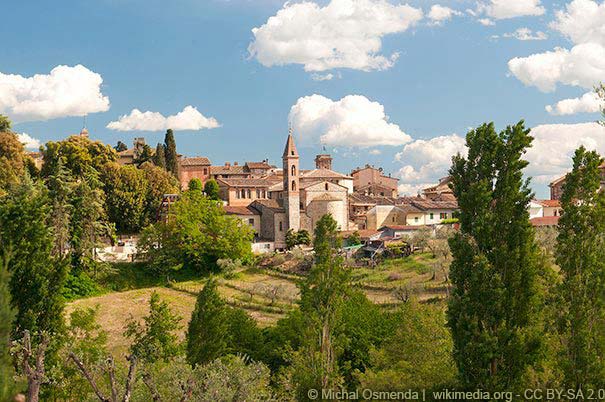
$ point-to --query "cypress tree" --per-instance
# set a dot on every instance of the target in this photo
(172, 163)
(207, 335)
(581, 256)
(495, 309)
(159, 159)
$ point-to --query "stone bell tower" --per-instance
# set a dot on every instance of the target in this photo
(291, 184)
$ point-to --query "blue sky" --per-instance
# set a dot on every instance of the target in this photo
(450, 75)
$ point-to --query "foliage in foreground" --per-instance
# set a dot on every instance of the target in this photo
(196, 235)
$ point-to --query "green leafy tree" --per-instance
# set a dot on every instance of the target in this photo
(297, 238)
(88, 342)
(159, 182)
(322, 297)
(5, 123)
(211, 190)
(6, 320)
(157, 338)
(36, 277)
(125, 190)
(208, 328)
(89, 224)
(195, 184)
(146, 155)
(196, 235)
(417, 355)
(159, 159)
(580, 254)
(78, 154)
(12, 159)
(60, 185)
(172, 162)
(120, 146)
(494, 311)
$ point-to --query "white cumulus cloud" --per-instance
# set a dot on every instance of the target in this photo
(341, 34)
(590, 102)
(503, 9)
(353, 121)
(438, 14)
(554, 145)
(526, 34)
(28, 141)
(188, 119)
(583, 66)
(582, 21)
(426, 161)
(65, 91)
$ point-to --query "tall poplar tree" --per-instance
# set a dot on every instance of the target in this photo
(581, 255)
(495, 308)
(172, 163)
(322, 297)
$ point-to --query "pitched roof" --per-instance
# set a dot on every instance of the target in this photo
(245, 182)
(545, 221)
(239, 169)
(549, 203)
(268, 203)
(258, 165)
(362, 199)
(195, 161)
(426, 204)
(323, 174)
(237, 210)
(325, 197)
(290, 148)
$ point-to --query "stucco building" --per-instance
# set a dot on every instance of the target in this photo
(372, 181)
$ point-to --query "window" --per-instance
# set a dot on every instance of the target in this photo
(327, 186)
(251, 221)
(443, 215)
(293, 185)
(257, 193)
(431, 216)
(281, 227)
(248, 193)
(393, 219)
(243, 193)
(416, 219)
(205, 171)
(293, 170)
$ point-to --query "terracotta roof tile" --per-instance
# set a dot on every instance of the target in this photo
(238, 210)
(245, 182)
(195, 161)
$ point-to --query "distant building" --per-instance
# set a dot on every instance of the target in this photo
(556, 186)
(129, 156)
(440, 191)
(372, 181)
(197, 167)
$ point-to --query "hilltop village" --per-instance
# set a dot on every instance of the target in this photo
(274, 199)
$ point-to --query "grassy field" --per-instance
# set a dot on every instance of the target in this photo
(266, 294)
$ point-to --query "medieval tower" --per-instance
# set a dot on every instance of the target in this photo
(291, 184)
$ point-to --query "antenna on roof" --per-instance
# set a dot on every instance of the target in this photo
(84, 126)
(324, 148)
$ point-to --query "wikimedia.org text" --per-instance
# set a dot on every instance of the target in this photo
(455, 395)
